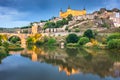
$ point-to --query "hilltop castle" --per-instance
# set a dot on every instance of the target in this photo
(73, 12)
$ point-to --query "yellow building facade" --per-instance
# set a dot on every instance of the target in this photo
(73, 12)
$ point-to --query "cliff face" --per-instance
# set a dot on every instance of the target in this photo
(104, 23)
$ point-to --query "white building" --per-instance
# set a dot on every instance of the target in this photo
(84, 17)
(115, 17)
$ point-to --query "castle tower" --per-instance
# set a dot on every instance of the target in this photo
(69, 9)
(84, 8)
(61, 12)
(84, 11)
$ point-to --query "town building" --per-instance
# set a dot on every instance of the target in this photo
(115, 17)
(84, 17)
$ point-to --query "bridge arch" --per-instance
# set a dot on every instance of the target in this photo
(14, 39)
(22, 38)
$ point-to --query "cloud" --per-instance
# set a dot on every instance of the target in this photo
(11, 24)
(112, 4)
(10, 17)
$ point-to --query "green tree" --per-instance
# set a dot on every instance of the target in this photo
(72, 38)
(51, 41)
(0, 40)
(69, 17)
(77, 30)
(89, 33)
(49, 25)
(64, 21)
(39, 42)
(83, 40)
(14, 39)
(30, 40)
(113, 36)
(59, 24)
(114, 44)
(105, 25)
(6, 46)
(66, 28)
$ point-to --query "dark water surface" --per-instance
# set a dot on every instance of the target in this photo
(54, 63)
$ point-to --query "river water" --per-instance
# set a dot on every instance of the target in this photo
(54, 63)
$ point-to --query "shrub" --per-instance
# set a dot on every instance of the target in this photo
(72, 45)
(3, 55)
(113, 36)
(49, 25)
(14, 39)
(77, 30)
(30, 40)
(45, 39)
(66, 28)
(3, 50)
(103, 41)
(0, 40)
(69, 30)
(5, 45)
(14, 47)
(105, 25)
(69, 17)
(95, 33)
(72, 38)
(114, 43)
(94, 42)
(83, 40)
(89, 33)
(38, 42)
(51, 41)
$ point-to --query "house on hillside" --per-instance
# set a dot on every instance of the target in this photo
(115, 17)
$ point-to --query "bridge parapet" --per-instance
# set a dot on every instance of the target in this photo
(21, 36)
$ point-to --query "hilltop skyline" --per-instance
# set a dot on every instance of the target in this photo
(14, 13)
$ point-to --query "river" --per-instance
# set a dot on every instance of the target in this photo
(54, 63)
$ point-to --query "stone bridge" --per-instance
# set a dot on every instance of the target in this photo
(21, 36)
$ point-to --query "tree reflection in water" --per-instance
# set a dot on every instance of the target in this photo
(77, 60)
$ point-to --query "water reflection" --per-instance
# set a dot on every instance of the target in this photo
(77, 60)
(68, 71)
(73, 61)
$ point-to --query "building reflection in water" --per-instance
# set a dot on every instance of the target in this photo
(116, 69)
(34, 56)
(108, 67)
(62, 45)
(67, 71)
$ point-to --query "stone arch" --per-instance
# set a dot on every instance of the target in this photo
(11, 36)
(22, 38)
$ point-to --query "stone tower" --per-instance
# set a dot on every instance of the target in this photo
(34, 28)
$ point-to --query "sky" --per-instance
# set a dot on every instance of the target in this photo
(18, 13)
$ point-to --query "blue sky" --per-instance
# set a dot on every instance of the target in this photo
(17, 13)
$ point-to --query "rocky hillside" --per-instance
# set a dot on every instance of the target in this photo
(98, 24)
